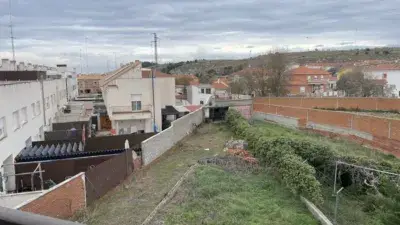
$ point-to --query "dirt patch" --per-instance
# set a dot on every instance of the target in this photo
(133, 201)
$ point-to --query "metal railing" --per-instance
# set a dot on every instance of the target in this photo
(17, 217)
(128, 109)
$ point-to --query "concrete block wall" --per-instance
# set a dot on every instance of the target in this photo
(383, 133)
(361, 103)
(155, 146)
(61, 201)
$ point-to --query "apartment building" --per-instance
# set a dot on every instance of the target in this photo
(29, 101)
(89, 83)
(129, 99)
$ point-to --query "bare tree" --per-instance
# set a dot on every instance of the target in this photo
(358, 84)
(278, 77)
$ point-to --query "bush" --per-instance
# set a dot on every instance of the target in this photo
(297, 175)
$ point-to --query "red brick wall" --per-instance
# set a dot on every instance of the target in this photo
(330, 118)
(385, 132)
(62, 201)
(361, 103)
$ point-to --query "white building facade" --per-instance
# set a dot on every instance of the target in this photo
(199, 94)
(25, 114)
(131, 105)
(392, 77)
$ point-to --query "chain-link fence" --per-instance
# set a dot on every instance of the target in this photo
(359, 195)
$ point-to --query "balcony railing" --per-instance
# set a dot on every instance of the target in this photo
(129, 109)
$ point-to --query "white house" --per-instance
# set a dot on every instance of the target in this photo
(390, 72)
(199, 94)
(128, 96)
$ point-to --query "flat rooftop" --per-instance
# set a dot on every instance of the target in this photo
(80, 111)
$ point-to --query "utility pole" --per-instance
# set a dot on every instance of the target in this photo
(115, 60)
(153, 75)
(87, 56)
(80, 59)
(11, 33)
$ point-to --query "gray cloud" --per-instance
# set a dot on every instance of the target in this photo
(49, 31)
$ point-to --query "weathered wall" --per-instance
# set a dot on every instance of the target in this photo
(61, 201)
(158, 144)
(13, 200)
(380, 132)
(361, 103)
(107, 175)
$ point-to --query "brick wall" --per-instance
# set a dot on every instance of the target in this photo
(61, 201)
(155, 146)
(361, 103)
(380, 132)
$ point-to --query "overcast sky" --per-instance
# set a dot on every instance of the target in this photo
(52, 31)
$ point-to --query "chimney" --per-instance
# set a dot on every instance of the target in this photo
(384, 76)
(5, 65)
(13, 65)
(21, 66)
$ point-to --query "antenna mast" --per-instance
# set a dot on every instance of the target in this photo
(11, 33)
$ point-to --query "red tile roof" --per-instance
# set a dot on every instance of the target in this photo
(192, 108)
(302, 70)
(147, 74)
(383, 67)
(193, 79)
(220, 83)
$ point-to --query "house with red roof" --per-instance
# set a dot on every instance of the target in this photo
(389, 73)
(308, 81)
(221, 88)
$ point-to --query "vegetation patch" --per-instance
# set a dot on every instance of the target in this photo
(370, 194)
(217, 196)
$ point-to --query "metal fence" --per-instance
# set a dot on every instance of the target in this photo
(107, 175)
(352, 193)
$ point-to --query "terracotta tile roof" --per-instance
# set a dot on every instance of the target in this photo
(302, 70)
(192, 108)
(90, 77)
(147, 74)
(193, 79)
(220, 83)
(383, 67)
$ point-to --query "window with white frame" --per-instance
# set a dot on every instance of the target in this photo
(47, 103)
(38, 108)
(208, 90)
(136, 102)
(33, 107)
(24, 115)
(16, 121)
(3, 128)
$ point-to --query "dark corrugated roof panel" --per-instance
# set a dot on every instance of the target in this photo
(59, 151)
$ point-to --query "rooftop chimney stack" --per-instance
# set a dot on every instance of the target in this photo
(13, 65)
(5, 65)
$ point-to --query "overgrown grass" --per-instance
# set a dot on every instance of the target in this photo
(216, 196)
(338, 144)
(356, 206)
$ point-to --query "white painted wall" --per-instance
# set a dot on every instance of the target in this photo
(13, 200)
(393, 77)
(132, 83)
(195, 96)
(16, 95)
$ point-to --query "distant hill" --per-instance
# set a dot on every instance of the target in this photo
(225, 67)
